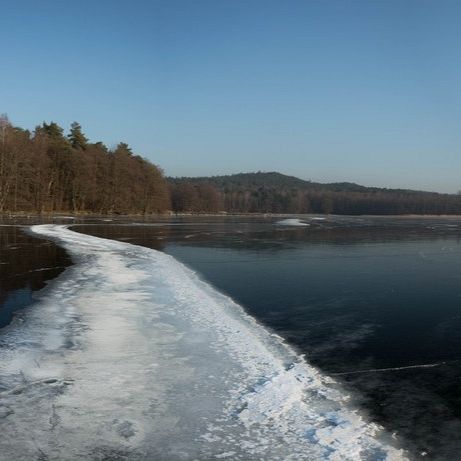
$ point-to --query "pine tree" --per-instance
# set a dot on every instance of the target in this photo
(76, 138)
(123, 148)
(52, 130)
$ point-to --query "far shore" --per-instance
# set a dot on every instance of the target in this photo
(77, 215)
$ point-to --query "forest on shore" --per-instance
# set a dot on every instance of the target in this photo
(277, 193)
(46, 171)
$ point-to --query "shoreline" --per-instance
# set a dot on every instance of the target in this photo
(78, 215)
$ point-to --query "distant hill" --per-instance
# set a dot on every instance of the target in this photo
(272, 192)
(279, 180)
(259, 179)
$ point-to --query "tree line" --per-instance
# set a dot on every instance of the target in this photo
(48, 171)
(277, 193)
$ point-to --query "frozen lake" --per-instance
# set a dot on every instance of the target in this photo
(158, 360)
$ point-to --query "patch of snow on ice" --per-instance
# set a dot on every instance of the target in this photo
(292, 222)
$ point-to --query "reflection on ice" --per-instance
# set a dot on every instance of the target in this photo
(131, 356)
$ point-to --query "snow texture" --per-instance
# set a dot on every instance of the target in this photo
(130, 355)
(292, 222)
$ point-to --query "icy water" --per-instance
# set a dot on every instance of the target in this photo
(373, 303)
(26, 263)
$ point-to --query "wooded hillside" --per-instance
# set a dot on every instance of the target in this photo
(278, 193)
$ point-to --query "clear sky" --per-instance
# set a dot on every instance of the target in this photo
(364, 91)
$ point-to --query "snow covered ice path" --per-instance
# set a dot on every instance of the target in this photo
(130, 355)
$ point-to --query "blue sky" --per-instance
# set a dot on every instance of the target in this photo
(362, 91)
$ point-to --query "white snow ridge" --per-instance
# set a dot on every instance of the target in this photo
(130, 356)
(292, 222)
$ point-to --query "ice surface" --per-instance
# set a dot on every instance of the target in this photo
(130, 355)
(292, 222)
